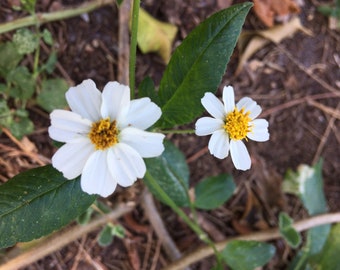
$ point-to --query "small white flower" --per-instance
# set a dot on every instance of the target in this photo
(231, 124)
(104, 136)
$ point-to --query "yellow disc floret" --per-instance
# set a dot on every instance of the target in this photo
(103, 134)
(237, 124)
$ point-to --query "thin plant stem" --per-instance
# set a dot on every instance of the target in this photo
(262, 236)
(40, 18)
(133, 46)
(194, 226)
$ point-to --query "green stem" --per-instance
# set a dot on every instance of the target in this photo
(133, 46)
(194, 226)
(40, 18)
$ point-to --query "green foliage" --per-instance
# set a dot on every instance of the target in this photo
(328, 258)
(307, 183)
(38, 202)
(331, 10)
(25, 41)
(22, 84)
(28, 5)
(20, 125)
(147, 89)
(10, 58)
(247, 255)
(106, 235)
(212, 192)
(288, 232)
(198, 64)
(172, 174)
(52, 94)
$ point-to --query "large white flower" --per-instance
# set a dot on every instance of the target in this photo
(231, 124)
(104, 135)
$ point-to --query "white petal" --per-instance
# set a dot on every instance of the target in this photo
(213, 105)
(228, 97)
(142, 114)
(116, 101)
(85, 99)
(66, 125)
(125, 164)
(239, 155)
(219, 144)
(147, 144)
(249, 105)
(259, 131)
(207, 125)
(96, 177)
(70, 159)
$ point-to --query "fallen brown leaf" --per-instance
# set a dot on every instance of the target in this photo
(268, 10)
(252, 41)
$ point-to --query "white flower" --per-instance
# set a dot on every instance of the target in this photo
(231, 124)
(104, 136)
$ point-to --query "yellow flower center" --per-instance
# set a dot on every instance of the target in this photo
(104, 134)
(237, 124)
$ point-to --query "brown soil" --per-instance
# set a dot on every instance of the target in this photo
(293, 83)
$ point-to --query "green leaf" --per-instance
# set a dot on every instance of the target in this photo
(47, 37)
(23, 83)
(52, 95)
(37, 202)
(10, 58)
(171, 172)
(198, 64)
(288, 232)
(212, 192)
(50, 63)
(5, 114)
(25, 41)
(85, 217)
(105, 236)
(21, 126)
(328, 258)
(147, 89)
(247, 255)
(308, 185)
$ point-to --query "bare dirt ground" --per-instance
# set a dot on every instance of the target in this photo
(294, 82)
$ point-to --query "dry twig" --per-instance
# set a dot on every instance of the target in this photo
(267, 235)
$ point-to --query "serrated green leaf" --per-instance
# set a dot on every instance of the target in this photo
(171, 172)
(147, 89)
(212, 192)
(198, 64)
(38, 202)
(52, 95)
(23, 83)
(10, 58)
(247, 255)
